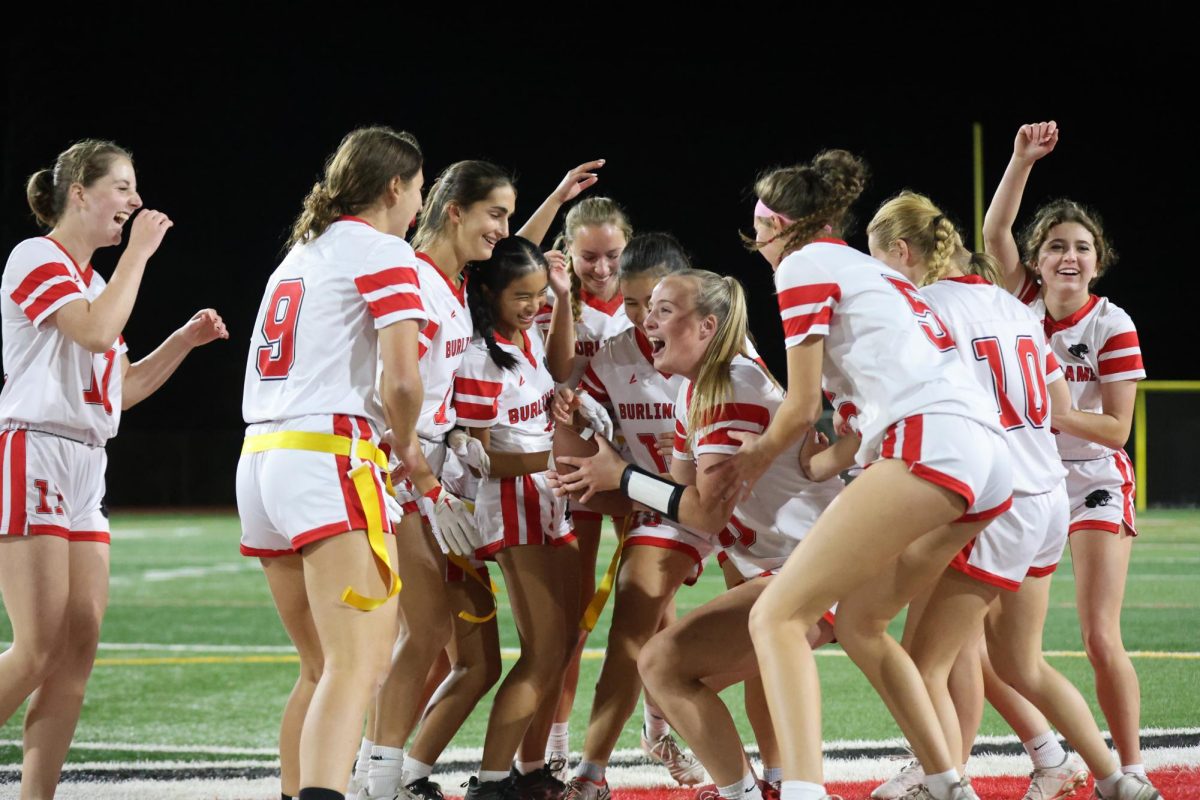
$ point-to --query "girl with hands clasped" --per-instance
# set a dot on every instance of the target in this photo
(502, 396)
(1062, 253)
(697, 328)
(63, 395)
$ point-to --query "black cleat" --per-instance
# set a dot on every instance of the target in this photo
(426, 789)
(539, 784)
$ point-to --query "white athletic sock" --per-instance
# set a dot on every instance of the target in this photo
(387, 766)
(750, 790)
(942, 785)
(1045, 750)
(772, 774)
(1134, 769)
(801, 790)
(655, 722)
(1108, 786)
(364, 758)
(415, 770)
(559, 740)
(733, 791)
(526, 767)
(491, 776)
(590, 771)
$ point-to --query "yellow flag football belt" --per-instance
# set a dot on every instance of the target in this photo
(591, 614)
(362, 455)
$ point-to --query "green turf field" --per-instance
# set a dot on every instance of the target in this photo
(179, 580)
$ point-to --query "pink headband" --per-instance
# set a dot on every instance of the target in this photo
(761, 210)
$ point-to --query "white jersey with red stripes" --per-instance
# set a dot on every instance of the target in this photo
(514, 403)
(315, 344)
(886, 351)
(622, 376)
(1097, 344)
(1002, 343)
(51, 383)
(441, 346)
(599, 320)
(783, 504)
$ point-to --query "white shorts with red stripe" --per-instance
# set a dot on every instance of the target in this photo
(651, 530)
(958, 454)
(1101, 494)
(1026, 540)
(516, 511)
(290, 498)
(52, 487)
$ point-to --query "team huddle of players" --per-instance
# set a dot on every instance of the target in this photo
(417, 411)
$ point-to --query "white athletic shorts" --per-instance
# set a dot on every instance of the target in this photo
(1101, 494)
(289, 498)
(1028, 539)
(52, 486)
(521, 510)
(958, 454)
(651, 530)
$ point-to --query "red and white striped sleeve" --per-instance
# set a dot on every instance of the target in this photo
(808, 295)
(714, 436)
(425, 338)
(1053, 368)
(542, 317)
(477, 391)
(594, 385)
(1029, 290)
(680, 449)
(39, 282)
(1120, 357)
(390, 285)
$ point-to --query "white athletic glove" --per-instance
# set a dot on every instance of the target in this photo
(453, 524)
(470, 450)
(596, 415)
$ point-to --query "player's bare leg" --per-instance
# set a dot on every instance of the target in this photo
(425, 629)
(285, 578)
(474, 669)
(1100, 561)
(859, 535)
(545, 608)
(35, 598)
(966, 692)
(648, 579)
(357, 646)
(1020, 714)
(54, 708)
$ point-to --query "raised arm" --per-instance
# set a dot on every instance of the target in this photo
(140, 380)
(95, 325)
(574, 182)
(560, 338)
(1033, 142)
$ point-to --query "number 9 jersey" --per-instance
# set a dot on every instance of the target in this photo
(345, 285)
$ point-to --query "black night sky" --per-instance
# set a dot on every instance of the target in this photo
(228, 133)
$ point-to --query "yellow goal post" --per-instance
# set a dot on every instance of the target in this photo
(1141, 471)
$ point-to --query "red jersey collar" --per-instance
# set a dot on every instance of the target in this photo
(971, 279)
(1052, 325)
(84, 274)
(460, 291)
(349, 218)
(643, 343)
(525, 347)
(608, 308)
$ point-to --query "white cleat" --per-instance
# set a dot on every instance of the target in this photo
(901, 783)
(580, 788)
(1055, 783)
(1132, 787)
(684, 767)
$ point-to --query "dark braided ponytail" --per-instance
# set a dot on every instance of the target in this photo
(513, 258)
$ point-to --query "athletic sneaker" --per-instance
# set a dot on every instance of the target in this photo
(562, 773)
(964, 791)
(581, 788)
(901, 783)
(708, 792)
(1054, 783)
(491, 790)
(425, 789)
(1132, 787)
(539, 784)
(770, 790)
(684, 767)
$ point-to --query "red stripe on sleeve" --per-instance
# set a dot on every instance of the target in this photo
(1114, 366)
(39, 276)
(49, 297)
(477, 387)
(739, 412)
(720, 437)
(475, 411)
(422, 349)
(806, 295)
(395, 277)
(1051, 362)
(1122, 341)
(801, 325)
(595, 386)
(391, 303)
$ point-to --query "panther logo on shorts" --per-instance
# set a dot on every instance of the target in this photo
(1100, 497)
(1078, 350)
